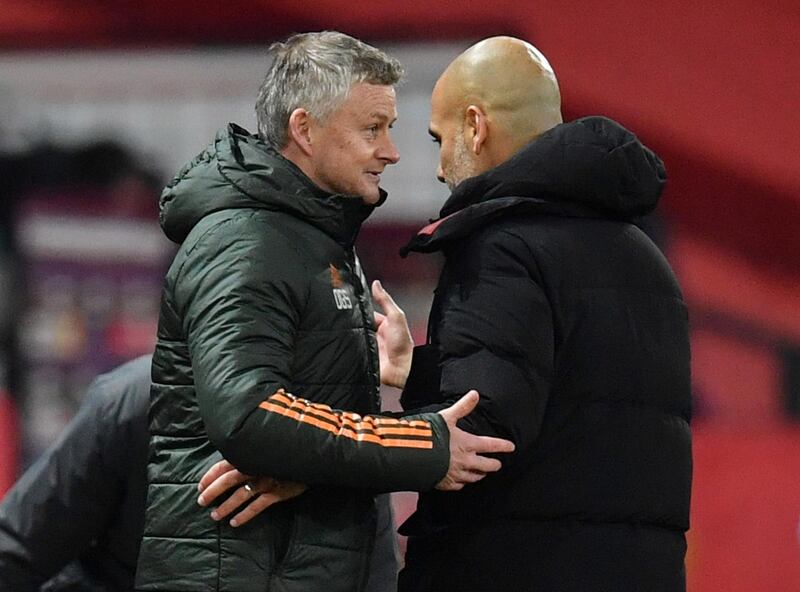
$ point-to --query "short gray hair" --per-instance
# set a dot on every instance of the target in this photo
(315, 71)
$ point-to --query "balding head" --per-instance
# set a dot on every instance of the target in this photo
(492, 100)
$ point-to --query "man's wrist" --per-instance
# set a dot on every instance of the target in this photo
(399, 375)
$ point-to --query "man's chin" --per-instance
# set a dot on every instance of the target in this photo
(371, 196)
(452, 182)
(451, 185)
(371, 200)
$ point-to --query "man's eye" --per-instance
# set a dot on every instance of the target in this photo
(436, 141)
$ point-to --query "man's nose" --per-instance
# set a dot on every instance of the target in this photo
(389, 152)
(440, 173)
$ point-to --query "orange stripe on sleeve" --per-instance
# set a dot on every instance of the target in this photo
(351, 425)
(355, 421)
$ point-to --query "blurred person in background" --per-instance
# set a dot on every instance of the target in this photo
(570, 323)
(265, 301)
(76, 514)
(74, 520)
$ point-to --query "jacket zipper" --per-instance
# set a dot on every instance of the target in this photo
(374, 367)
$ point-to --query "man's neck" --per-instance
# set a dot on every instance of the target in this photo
(301, 160)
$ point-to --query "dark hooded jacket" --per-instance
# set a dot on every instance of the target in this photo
(569, 322)
(265, 309)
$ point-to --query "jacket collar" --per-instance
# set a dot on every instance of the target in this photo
(591, 167)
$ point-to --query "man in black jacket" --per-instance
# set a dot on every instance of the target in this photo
(73, 521)
(570, 323)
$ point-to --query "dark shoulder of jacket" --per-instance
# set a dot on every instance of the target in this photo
(505, 246)
(258, 247)
(124, 392)
(217, 229)
(598, 250)
(120, 400)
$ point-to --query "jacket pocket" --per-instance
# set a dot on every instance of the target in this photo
(329, 544)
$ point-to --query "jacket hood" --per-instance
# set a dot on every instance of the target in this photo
(238, 170)
(590, 167)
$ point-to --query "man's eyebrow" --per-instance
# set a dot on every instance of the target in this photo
(433, 134)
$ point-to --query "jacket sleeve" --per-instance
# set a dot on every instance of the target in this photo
(421, 390)
(61, 504)
(241, 299)
(493, 332)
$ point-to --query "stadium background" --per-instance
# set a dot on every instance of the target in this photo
(100, 102)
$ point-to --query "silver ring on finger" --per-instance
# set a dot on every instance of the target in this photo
(250, 489)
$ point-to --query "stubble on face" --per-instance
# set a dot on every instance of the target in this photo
(462, 166)
(456, 162)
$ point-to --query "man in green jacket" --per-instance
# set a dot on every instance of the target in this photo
(266, 331)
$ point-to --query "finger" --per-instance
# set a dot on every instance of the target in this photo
(483, 464)
(487, 444)
(461, 408)
(220, 485)
(449, 485)
(218, 468)
(379, 319)
(379, 295)
(266, 484)
(254, 508)
(384, 299)
(239, 497)
(470, 477)
(457, 479)
(282, 492)
(291, 489)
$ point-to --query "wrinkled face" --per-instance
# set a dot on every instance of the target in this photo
(456, 162)
(353, 145)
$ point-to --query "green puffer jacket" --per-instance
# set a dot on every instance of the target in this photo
(265, 309)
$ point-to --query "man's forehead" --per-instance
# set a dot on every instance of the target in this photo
(438, 110)
(372, 92)
(373, 100)
(441, 97)
(383, 114)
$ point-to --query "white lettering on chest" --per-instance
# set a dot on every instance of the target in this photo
(342, 299)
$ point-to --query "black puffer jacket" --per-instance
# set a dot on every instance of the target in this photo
(569, 322)
(264, 303)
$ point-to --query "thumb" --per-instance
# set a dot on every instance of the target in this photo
(382, 297)
(379, 318)
(461, 408)
(379, 294)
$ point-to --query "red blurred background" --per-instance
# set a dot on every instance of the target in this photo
(714, 88)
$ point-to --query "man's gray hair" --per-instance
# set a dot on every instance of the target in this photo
(315, 71)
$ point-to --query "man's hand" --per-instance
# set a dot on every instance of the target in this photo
(395, 344)
(259, 493)
(466, 463)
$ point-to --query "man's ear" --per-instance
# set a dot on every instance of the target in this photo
(477, 128)
(299, 130)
